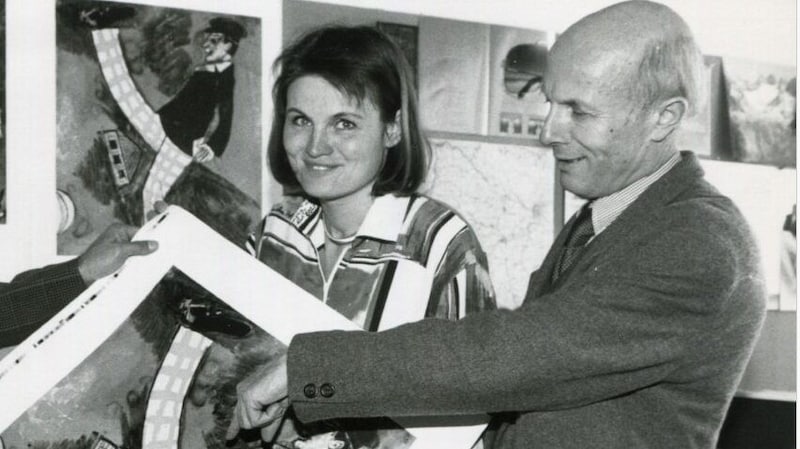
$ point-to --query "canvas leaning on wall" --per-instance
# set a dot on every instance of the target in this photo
(150, 357)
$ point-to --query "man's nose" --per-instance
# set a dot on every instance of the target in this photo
(555, 126)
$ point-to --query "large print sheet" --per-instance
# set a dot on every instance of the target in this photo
(150, 357)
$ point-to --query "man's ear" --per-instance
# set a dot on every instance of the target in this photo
(670, 113)
(393, 131)
(228, 47)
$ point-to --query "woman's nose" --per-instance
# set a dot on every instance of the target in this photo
(319, 145)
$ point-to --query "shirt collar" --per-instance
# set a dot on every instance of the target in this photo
(218, 67)
(606, 209)
(384, 219)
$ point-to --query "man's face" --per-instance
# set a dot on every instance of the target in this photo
(599, 138)
(215, 48)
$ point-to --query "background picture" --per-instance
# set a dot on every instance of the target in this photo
(120, 69)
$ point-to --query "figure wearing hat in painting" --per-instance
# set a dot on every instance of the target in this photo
(195, 125)
(198, 118)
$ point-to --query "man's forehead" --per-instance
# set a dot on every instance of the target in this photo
(587, 77)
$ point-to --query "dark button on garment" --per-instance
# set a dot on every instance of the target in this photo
(326, 390)
(310, 391)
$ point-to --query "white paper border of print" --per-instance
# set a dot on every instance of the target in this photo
(269, 300)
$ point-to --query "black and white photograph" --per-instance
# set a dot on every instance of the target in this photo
(362, 224)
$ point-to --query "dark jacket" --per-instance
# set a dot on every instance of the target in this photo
(641, 345)
(34, 297)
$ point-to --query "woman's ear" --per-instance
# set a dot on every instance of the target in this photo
(393, 131)
(670, 114)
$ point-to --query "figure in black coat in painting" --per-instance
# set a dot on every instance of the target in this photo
(198, 118)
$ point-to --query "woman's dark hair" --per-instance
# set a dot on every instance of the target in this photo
(362, 63)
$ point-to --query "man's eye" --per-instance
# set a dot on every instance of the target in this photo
(578, 113)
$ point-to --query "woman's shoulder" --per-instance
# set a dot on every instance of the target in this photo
(425, 210)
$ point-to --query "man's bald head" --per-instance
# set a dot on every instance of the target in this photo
(644, 48)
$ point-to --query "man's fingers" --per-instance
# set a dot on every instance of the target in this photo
(269, 431)
(139, 248)
(276, 412)
(160, 206)
(271, 415)
(125, 232)
(233, 428)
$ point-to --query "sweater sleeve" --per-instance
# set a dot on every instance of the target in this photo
(33, 297)
(461, 283)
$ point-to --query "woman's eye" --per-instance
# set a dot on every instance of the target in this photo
(299, 120)
(345, 124)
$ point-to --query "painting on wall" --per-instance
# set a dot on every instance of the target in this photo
(453, 81)
(406, 37)
(788, 262)
(156, 104)
(698, 131)
(762, 101)
(151, 357)
(517, 60)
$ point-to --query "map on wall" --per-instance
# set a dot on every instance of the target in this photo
(505, 192)
(155, 104)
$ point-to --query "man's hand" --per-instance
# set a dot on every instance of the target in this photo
(262, 400)
(110, 250)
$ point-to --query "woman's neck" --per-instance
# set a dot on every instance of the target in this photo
(343, 216)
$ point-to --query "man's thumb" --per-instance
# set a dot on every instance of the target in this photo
(140, 248)
(233, 429)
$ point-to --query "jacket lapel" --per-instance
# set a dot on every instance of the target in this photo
(637, 216)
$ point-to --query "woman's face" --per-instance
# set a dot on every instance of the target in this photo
(335, 145)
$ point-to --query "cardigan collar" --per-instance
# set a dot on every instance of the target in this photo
(384, 219)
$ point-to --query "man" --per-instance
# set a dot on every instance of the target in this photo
(34, 296)
(638, 325)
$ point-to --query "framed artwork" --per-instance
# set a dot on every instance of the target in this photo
(150, 357)
(405, 36)
(156, 103)
(516, 66)
(700, 132)
(762, 103)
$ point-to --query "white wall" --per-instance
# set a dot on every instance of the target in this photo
(763, 31)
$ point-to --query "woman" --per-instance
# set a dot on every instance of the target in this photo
(346, 140)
